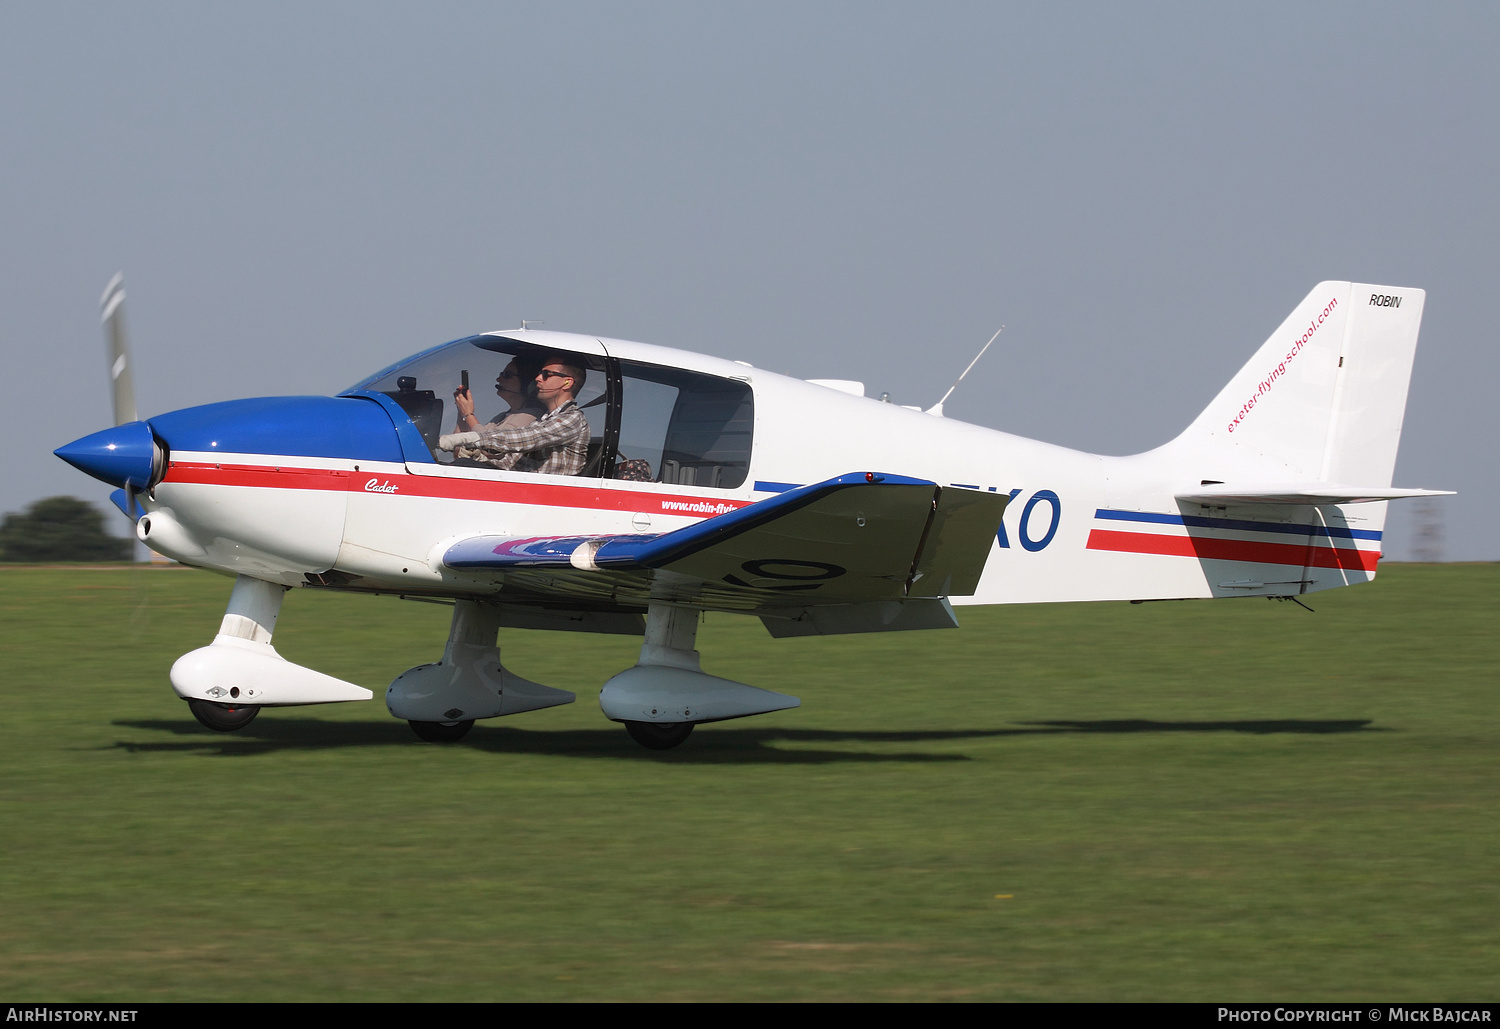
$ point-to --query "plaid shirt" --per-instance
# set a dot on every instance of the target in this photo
(555, 444)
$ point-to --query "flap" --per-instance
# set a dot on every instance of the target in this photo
(962, 532)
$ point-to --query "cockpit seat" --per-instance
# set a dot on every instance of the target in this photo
(593, 465)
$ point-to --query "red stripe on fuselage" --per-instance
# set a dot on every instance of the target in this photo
(1300, 555)
(539, 494)
(258, 477)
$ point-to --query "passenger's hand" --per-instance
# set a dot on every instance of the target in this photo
(464, 402)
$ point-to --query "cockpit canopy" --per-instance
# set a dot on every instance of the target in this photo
(650, 423)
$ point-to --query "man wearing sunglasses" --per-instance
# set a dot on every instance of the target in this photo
(557, 443)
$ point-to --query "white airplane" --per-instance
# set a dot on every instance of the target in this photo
(703, 484)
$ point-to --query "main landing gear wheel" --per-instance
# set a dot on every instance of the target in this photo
(659, 735)
(223, 717)
(442, 732)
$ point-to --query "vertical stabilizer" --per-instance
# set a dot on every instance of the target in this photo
(1323, 399)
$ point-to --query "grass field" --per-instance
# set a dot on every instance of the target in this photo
(1197, 801)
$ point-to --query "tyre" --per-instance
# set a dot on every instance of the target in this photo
(223, 717)
(659, 735)
(442, 732)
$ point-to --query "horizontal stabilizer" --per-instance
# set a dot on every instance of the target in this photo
(1308, 494)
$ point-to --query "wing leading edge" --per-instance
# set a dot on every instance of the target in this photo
(862, 538)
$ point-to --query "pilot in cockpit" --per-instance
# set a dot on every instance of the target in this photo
(513, 385)
(554, 442)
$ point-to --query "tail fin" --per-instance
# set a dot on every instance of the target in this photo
(1323, 399)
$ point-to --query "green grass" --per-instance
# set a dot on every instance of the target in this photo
(1197, 801)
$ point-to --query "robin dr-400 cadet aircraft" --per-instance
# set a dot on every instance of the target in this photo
(702, 484)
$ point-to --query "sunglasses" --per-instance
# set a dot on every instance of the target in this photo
(548, 373)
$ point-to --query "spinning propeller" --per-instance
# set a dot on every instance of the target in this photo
(128, 455)
(122, 379)
(117, 352)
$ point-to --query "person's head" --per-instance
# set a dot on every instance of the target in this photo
(558, 381)
(517, 381)
(509, 385)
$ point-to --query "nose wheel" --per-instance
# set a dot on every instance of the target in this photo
(659, 735)
(223, 717)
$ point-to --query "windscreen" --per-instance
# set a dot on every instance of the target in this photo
(500, 375)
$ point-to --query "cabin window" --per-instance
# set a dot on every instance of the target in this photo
(683, 428)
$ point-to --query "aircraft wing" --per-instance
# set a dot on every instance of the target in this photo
(1315, 493)
(856, 539)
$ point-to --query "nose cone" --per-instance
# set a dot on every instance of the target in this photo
(121, 456)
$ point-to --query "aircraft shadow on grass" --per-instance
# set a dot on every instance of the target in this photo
(714, 746)
(1261, 727)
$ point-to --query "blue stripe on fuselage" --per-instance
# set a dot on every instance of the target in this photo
(1200, 522)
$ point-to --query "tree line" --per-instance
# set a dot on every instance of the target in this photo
(60, 529)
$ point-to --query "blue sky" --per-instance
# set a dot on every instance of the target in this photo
(301, 193)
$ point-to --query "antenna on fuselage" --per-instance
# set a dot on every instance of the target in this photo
(937, 409)
(525, 324)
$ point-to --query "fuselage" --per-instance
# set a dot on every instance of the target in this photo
(351, 492)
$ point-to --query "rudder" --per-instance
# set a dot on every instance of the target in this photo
(1369, 401)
